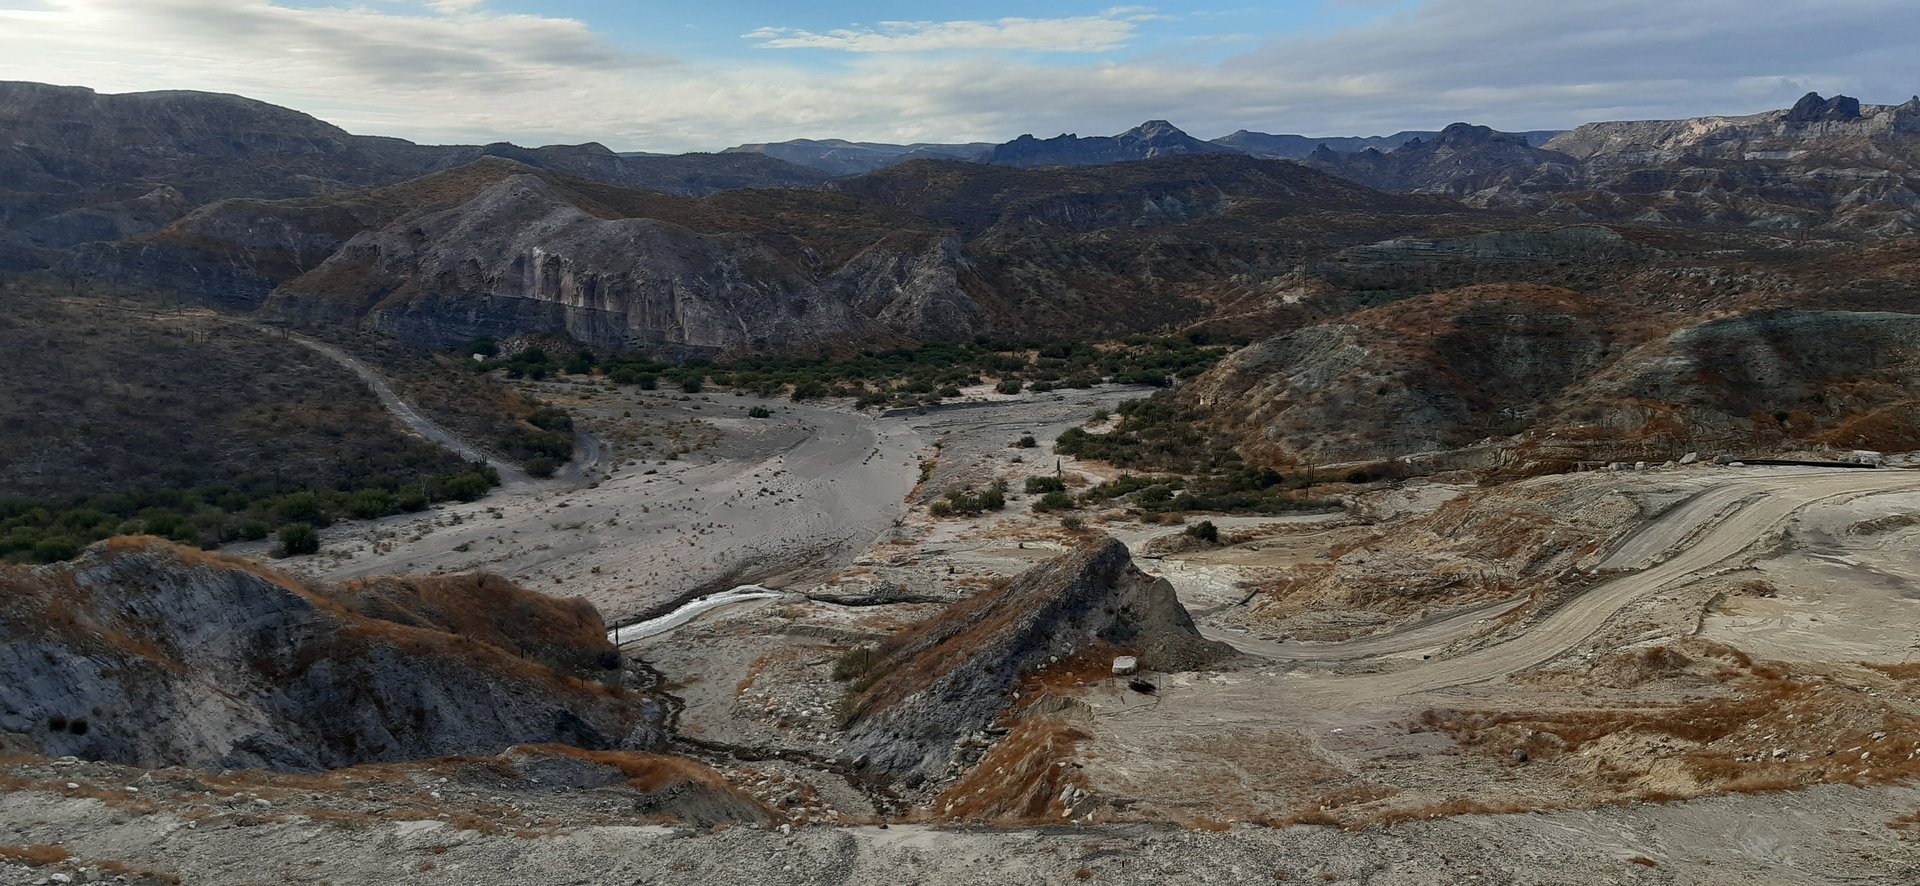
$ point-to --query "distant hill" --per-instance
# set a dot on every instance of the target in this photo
(80, 166)
(1154, 138)
(1299, 147)
(840, 157)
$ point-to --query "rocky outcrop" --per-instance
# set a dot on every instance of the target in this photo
(522, 257)
(1428, 373)
(1462, 159)
(1154, 138)
(143, 653)
(1516, 376)
(954, 674)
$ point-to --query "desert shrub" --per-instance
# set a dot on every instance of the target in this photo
(469, 486)
(1038, 485)
(993, 498)
(1026, 441)
(412, 499)
(759, 412)
(1008, 386)
(1072, 524)
(540, 467)
(1054, 501)
(367, 504)
(853, 664)
(55, 548)
(300, 507)
(298, 538)
(1204, 531)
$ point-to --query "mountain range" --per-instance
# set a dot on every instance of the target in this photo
(1625, 231)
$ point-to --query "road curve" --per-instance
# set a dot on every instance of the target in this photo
(1426, 633)
(1579, 619)
(410, 417)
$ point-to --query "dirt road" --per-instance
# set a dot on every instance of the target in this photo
(1772, 500)
(510, 473)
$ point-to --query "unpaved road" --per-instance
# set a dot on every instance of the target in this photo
(1780, 496)
(510, 473)
(1432, 632)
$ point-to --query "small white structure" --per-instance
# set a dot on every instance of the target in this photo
(1126, 666)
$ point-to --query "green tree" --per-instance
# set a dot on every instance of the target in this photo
(298, 538)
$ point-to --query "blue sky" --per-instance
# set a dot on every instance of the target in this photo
(674, 76)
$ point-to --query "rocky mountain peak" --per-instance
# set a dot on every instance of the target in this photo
(1812, 108)
(1155, 130)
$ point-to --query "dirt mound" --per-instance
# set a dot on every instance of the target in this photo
(954, 674)
(140, 652)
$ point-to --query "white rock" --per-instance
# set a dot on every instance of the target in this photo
(1125, 665)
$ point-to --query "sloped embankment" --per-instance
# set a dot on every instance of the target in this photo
(954, 674)
(144, 653)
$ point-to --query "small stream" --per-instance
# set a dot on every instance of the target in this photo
(654, 627)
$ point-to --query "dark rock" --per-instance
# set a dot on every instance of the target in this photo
(952, 676)
(176, 657)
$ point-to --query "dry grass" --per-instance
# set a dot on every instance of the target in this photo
(1775, 730)
(1020, 779)
(36, 855)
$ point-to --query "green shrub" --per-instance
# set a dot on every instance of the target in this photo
(412, 499)
(466, 487)
(1054, 501)
(1037, 485)
(1205, 531)
(759, 412)
(298, 538)
(540, 467)
(55, 548)
(1009, 386)
(1026, 441)
(300, 507)
(1072, 524)
(367, 504)
(253, 530)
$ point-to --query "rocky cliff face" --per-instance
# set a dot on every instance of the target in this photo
(522, 257)
(139, 652)
(954, 675)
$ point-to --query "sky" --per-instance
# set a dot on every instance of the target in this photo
(704, 75)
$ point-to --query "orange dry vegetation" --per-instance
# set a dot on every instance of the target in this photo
(567, 633)
(1021, 779)
(1779, 730)
(36, 855)
(646, 772)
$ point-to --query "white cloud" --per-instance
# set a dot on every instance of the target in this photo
(1102, 33)
(478, 74)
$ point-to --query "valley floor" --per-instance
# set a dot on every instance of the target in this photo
(1602, 677)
